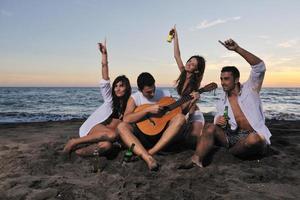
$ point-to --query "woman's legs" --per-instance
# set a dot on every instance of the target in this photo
(102, 148)
(98, 133)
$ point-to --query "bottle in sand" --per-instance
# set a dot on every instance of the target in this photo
(96, 161)
(171, 35)
(225, 115)
(129, 153)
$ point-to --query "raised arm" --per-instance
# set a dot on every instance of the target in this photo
(249, 57)
(177, 51)
(258, 67)
(103, 50)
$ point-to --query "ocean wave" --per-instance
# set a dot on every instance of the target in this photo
(20, 117)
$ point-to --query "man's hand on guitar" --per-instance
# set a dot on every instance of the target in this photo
(154, 109)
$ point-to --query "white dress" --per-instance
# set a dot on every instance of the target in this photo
(102, 113)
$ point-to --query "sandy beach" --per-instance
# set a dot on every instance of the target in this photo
(32, 167)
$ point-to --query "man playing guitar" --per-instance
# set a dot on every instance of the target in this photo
(146, 145)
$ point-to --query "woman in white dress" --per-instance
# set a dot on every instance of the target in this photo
(99, 130)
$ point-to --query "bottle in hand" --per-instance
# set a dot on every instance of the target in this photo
(225, 115)
(171, 35)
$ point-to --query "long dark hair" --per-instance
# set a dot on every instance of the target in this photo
(119, 103)
(195, 80)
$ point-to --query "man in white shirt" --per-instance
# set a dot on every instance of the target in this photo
(147, 94)
(244, 131)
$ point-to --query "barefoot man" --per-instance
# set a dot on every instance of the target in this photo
(244, 132)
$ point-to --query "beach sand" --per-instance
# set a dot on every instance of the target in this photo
(32, 167)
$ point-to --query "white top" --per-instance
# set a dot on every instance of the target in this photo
(102, 113)
(249, 102)
(140, 99)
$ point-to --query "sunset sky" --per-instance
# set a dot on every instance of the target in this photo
(54, 43)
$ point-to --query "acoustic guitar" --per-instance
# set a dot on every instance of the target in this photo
(153, 124)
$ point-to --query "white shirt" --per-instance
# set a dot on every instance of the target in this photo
(102, 113)
(140, 99)
(249, 102)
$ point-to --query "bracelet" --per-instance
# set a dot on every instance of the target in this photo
(104, 63)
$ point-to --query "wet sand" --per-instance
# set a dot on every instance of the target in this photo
(32, 167)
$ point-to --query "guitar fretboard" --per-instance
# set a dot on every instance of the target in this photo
(179, 102)
(186, 98)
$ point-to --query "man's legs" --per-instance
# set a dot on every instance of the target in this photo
(205, 143)
(253, 144)
(172, 130)
(127, 136)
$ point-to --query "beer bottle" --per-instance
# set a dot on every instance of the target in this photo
(171, 35)
(129, 153)
(96, 161)
(225, 115)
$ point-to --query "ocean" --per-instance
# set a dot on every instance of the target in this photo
(18, 105)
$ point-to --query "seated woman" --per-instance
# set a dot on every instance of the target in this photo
(99, 130)
(188, 82)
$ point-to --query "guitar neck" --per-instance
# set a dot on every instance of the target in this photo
(182, 100)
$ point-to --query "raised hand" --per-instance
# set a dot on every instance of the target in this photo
(102, 47)
(173, 31)
(104, 62)
(230, 44)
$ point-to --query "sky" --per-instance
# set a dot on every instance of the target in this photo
(53, 43)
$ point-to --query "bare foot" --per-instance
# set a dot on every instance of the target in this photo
(190, 163)
(69, 146)
(152, 164)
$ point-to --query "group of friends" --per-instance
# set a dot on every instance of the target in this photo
(245, 133)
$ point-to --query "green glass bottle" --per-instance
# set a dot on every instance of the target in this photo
(96, 161)
(129, 153)
(225, 115)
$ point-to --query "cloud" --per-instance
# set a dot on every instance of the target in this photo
(206, 24)
(282, 63)
(6, 13)
(288, 43)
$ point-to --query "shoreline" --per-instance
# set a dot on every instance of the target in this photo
(208, 117)
(32, 167)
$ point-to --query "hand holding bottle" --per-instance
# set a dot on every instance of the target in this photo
(221, 121)
(171, 34)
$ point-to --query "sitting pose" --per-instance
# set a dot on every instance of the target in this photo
(188, 82)
(145, 145)
(244, 131)
(99, 130)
